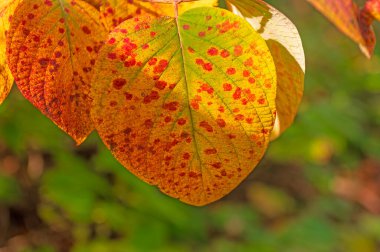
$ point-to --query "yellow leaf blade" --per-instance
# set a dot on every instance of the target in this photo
(188, 104)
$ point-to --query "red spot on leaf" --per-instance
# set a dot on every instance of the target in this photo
(207, 67)
(224, 54)
(238, 51)
(221, 122)
(119, 83)
(172, 106)
(212, 51)
(227, 87)
(211, 151)
(206, 126)
(161, 85)
(231, 71)
(86, 30)
(237, 94)
(181, 121)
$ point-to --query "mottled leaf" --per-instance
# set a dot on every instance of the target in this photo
(285, 44)
(51, 48)
(114, 12)
(7, 8)
(187, 103)
(346, 16)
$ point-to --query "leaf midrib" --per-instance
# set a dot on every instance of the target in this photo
(195, 142)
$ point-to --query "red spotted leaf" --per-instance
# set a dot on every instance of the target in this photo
(186, 103)
(52, 46)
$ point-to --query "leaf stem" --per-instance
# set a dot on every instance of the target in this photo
(175, 5)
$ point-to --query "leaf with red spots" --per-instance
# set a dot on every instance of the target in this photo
(285, 44)
(347, 17)
(51, 49)
(191, 107)
(114, 12)
(7, 8)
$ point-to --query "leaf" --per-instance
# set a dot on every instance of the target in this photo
(346, 16)
(187, 103)
(114, 12)
(285, 44)
(6, 79)
(52, 47)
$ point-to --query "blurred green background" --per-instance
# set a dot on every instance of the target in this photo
(317, 189)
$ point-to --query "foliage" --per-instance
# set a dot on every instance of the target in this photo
(72, 198)
(53, 67)
(195, 133)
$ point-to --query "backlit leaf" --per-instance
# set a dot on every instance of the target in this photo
(6, 79)
(114, 12)
(186, 104)
(285, 44)
(51, 48)
(346, 16)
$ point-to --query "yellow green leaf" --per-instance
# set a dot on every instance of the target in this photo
(52, 46)
(285, 44)
(7, 8)
(114, 12)
(187, 103)
(345, 15)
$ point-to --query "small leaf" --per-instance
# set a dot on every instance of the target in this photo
(285, 44)
(187, 103)
(7, 8)
(346, 16)
(51, 48)
(114, 12)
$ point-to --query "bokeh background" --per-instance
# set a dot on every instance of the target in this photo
(317, 189)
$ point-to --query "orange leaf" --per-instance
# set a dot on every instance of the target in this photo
(51, 48)
(7, 8)
(285, 44)
(187, 103)
(114, 12)
(347, 17)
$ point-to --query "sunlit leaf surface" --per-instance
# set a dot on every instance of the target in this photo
(285, 44)
(52, 48)
(186, 104)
